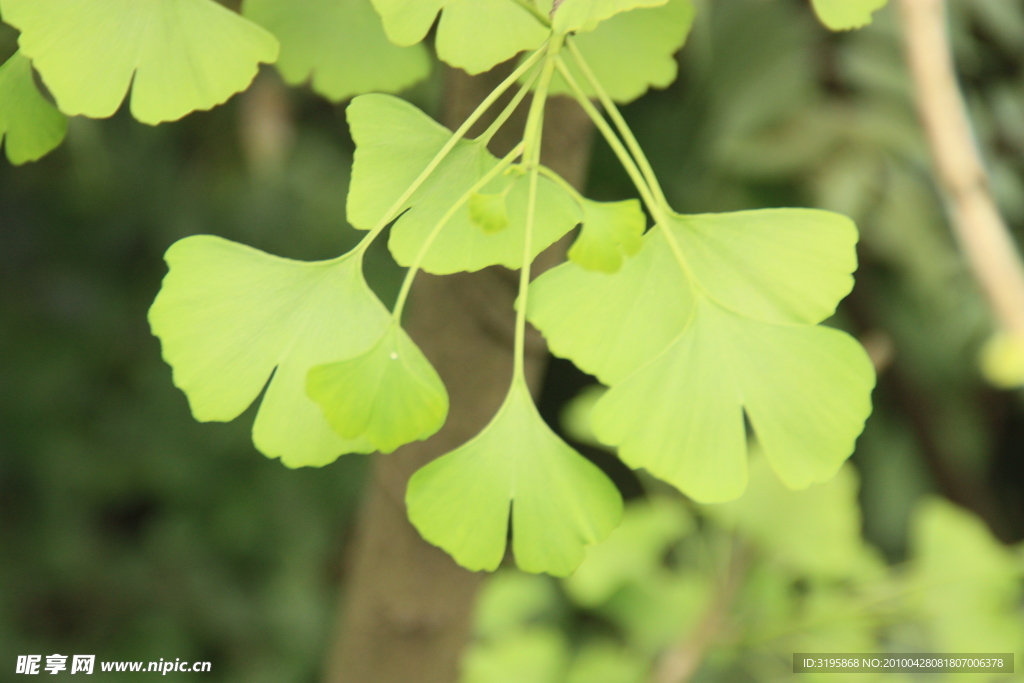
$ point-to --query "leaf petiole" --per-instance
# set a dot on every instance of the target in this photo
(532, 9)
(620, 123)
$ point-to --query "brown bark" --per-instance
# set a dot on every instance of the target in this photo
(408, 605)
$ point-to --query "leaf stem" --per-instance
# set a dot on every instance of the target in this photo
(659, 210)
(524, 90)
(460, 133)
(620, 123)
(410, 274)
(531, 158)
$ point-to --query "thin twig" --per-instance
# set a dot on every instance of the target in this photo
(981, 231)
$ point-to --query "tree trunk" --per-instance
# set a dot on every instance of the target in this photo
(407, 611)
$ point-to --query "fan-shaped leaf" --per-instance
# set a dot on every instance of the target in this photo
(611, 230)
(29, 124)
(395, 141)
(806, 390)
(340, 45)
(842, 15)
(178, 55)
(473, 35)
(390, 395)
(560, 502)
(633, 51)
(228, 315)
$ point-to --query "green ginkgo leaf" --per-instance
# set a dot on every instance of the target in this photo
(611, 230)
(390, 395)
(228, 316)
(177, 55)
(806, 390)
(584, 15)
(611, 324)
(632, 52)
(843, 15)
(395, 141)
(473, 35)
(338, 44)
(731, 316)
(559, 501)
(29, 125)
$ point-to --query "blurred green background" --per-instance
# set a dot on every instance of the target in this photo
(129, 531)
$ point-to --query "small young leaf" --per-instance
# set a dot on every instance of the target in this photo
(633, 51)
(30, 125)
(340, 44)
(843, 15)
(805, 389)
(228, 315)
(611, 324)
(560, 502)
(178, 55)
(584, 15)
(390, 395)
(473, 35)
(610, 230)
(395, 141)
(489, 211)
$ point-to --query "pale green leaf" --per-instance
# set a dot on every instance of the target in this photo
(633, 552)
(815, 531)
(632, 52)
(601, 661)
(968, 585)
(228, 316)
(395, 141)
(511, 601)
(777, 265)
(577, 15)
(610, 324)
(805, 389)
(560, 502)
(843, 15)
(339, 45)
(473, 35)
(391, 395)
(177, 55)
(29, 125)
(611, 230)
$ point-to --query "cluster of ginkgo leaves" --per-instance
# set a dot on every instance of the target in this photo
(698, 325)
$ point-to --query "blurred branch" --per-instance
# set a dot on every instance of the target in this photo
(679, 664)
(981, 231)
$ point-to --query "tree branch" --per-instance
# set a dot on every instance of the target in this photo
(981, 231)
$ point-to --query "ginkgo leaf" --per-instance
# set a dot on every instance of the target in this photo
(632, 52)
(843, 15)
(390, 395)
(177, 55)
(584, 15)
(228, 316)
(473, 35)
(340, 45)
(29, 125)
(610, 231)
(395, 141)
(805, 389)
(560, 502)
(610, 324)
(778, 265)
